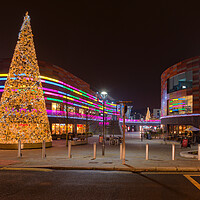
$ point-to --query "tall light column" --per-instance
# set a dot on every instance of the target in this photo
(103, 95)
(123, 114)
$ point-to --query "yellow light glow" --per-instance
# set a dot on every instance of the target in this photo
(85, 107)
(25, 117)
(3, 74)
(50, 79)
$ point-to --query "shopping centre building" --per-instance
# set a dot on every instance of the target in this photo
(69, 100)
(180, 97)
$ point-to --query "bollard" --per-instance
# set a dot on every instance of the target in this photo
(95, 150)
(173, 151)
(43, 149)
(147, 151)
(19, 155)
(198, 151)
(69, 149)
(123, 154)
(120, 151)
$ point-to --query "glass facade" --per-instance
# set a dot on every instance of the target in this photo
(55, 106)
(81, 128)
(177, 131)
(70, 128)
(60, 129)
(71, 109)
(81, 111)
(179, 82)
(181, 105)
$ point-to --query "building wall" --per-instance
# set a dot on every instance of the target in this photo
(192, 118)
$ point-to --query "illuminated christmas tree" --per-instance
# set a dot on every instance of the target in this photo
(148, 116)
(22, 110)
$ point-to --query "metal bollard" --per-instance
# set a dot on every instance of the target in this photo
(19, 155)
(120, 151)
(198, 151)
(173, 151)
(123, 154)
(69, 149)
(95, 150)
(43, 149)
(147, 151)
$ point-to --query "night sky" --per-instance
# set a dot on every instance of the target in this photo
(120, 46)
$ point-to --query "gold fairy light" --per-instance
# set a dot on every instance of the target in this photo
(22, 110)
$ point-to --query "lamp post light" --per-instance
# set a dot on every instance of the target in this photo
(103, 95)
(123, 114)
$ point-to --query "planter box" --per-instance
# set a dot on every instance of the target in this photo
(78, 142)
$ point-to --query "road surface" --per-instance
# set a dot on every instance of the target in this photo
(58, 184)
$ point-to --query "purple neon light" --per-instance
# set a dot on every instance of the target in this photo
(93, 97)
(51, 90)
(58, 95)
(178, 106)
(137, 120)
(71, 114)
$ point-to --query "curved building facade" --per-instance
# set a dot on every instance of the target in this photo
(180, 97)
(71, 105)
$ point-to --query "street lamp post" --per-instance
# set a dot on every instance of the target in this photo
(123, 141)
(103, 95)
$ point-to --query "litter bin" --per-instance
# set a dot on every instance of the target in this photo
(100, 139)
(184, 143)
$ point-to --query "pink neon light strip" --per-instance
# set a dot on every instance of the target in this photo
(49, 93)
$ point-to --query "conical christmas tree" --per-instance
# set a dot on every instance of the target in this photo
(148, 116)
(22, 110)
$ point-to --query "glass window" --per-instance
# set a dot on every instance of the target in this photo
(71, 109)
(57, 129)
(53, 106)
(181, 105)
(70, 128)
(62, 128)
(81, 128)
(53, 128)
(56, 106)
(81, 110)
(65, 108)
(179, 82)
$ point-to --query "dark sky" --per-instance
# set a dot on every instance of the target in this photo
(121, 46)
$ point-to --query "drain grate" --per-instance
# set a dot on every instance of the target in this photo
(93, 162)
(107, 162)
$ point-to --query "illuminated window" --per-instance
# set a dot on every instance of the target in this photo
(71, 109)
(53, 128)
(81, 128)
(65, 107)
(58, 129)
(70, 128)
(179, 82)
(81, 110)
(56, 106)
(53, 106)
(181, 105)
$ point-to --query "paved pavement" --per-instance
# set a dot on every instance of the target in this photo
(82, 156)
